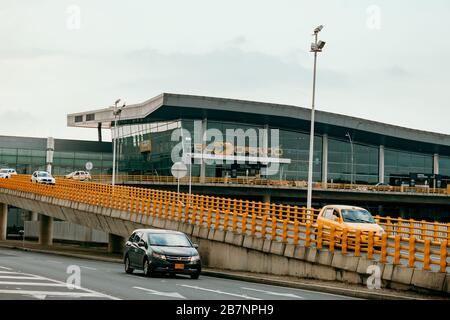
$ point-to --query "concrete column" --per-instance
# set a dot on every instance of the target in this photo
(436, 163)
(3, 220)
(34, 216)
(50, 150)
(381, 164)
(263, 143)
(325, 159)
(203, 164)
(266, 198)
(99, 129)
(46, 230)
(115, 243)
(404, 213)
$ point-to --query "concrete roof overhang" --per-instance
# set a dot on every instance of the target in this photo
(175, 106)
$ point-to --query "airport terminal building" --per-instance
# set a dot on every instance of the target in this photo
(28, 154)
(346, 149)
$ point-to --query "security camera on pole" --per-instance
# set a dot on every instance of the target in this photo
(316, 47)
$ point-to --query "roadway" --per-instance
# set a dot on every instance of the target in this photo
(38, 276)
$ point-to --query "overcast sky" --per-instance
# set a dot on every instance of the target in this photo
(386, 61)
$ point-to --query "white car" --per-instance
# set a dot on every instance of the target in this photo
(42, 177)
(79, 175)
(5, 173)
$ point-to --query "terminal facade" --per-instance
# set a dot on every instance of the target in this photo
(346, 149)
(27, 154)
(60, 156)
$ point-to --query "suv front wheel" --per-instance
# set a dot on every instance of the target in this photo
(147, 269)
(128, 269)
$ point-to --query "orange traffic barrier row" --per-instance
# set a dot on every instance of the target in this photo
(284, 223)
(406, 228)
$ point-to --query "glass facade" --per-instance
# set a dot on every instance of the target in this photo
(444, 166)
(66, 162)
(146, 147)
(365, 162)
(27, 155)
(399, 164)
(295, 146)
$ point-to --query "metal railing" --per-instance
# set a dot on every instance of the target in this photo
(121, 179)
(413, 243)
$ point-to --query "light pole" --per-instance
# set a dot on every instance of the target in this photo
(190, 159)
(116, 112)
(190, 166)
(316, 47)
(351, 148)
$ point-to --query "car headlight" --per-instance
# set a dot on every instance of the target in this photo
(159, 256)
(195, 258)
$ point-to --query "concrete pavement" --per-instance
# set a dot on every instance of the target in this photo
(32, 275)
(99, 254)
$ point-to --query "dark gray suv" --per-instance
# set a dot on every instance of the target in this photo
(162, 251)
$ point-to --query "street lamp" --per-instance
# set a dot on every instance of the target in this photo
(351, 147)
(188, 139)
(116, 112)
(316, 47)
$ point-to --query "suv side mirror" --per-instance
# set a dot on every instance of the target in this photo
(195, 245)
(141, 243)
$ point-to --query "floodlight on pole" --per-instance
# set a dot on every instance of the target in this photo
(318, 29)
(316, 47)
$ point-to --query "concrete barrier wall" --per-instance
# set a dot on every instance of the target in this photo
(63, 230)
(227, 250)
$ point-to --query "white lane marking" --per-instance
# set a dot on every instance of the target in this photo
(40, 284)
(9, 272)
(43, 294)
(54, 261)
(20, 277)
(283, 294)
(89, 268)
(5, 268)
(161, 293)
(219, 292)
(88, 291)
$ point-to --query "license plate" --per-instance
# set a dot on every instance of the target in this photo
(179, 266)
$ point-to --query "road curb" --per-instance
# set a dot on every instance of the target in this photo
(310, 286)
(233, 276)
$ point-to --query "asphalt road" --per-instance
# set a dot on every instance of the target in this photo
(30, 275)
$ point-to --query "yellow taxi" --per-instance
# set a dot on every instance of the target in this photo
(351, 218)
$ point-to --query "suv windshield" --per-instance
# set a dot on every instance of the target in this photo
(4, 171)
(355, 215)
(168, 240)
(43, 174)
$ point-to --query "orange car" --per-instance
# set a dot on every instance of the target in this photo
(350, 218)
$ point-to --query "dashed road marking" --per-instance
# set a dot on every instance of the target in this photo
(219, 292)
